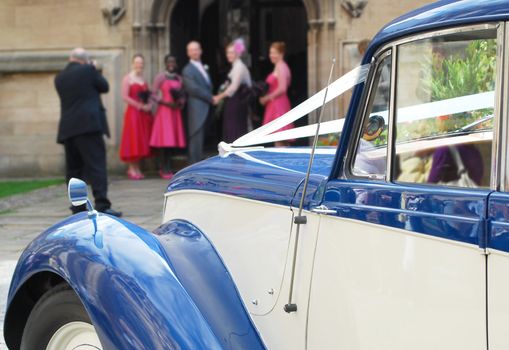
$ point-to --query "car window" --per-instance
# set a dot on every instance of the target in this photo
(444, 109)
(371, 149)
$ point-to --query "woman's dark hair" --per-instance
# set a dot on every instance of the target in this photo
(168, 56)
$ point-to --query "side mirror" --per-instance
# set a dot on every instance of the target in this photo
(78, 194)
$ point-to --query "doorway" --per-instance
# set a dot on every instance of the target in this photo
(259, 22)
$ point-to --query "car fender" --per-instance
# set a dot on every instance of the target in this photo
(123, 278)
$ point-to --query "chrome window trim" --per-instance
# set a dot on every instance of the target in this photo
(392, 115)
(503, 172)
(499, 134)
(353, 143)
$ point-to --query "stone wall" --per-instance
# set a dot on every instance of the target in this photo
(28, 122)
(60, 24)
(36, 39)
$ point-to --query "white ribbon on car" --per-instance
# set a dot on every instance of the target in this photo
(450, 106)
(269, 132)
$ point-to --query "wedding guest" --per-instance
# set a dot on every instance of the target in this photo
(276, 100)
(168, 130)
(82, 126)
(137, 119)
(236, 94)
(444, 167)
(198, 87)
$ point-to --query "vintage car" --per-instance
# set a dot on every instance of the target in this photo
(397, 239)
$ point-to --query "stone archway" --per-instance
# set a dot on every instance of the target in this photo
(313, 10)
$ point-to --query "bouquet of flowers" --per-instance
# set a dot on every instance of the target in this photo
(260, 88)
(144, 96)
(219, 108)
(179, 96)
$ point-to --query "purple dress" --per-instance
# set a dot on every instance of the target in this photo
(236, 105)
(444, 168)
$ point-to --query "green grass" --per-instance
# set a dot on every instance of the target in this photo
(9, 188)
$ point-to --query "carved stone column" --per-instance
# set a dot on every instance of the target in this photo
(157, 18)
(313, 61)
(137, 25)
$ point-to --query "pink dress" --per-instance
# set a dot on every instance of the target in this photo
(137, 125)
(280, 104)
(168, 130)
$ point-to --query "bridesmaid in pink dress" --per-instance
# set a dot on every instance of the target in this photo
(276, 100)
(137, 119)
(168, 130)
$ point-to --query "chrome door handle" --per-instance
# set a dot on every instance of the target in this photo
(322, 209)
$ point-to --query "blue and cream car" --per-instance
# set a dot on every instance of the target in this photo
(397, 239)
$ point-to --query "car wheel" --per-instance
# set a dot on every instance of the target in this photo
(59, 321)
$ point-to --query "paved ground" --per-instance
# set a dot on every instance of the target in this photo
(140, 201)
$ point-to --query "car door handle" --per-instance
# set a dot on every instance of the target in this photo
(322, 209)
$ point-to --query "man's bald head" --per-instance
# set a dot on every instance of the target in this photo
(194, 50)
(79, 55)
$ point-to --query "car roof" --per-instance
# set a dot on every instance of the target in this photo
(441, 14)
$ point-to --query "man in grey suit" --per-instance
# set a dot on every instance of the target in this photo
(198, 87)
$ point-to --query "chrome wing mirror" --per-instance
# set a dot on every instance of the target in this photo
(78, 195)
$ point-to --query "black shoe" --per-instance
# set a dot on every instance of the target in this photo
(112, 212)
(78, 209)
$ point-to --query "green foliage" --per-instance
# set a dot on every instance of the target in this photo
(456, 73)
(464, 73)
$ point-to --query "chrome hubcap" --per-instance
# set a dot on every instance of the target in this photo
(75, 336)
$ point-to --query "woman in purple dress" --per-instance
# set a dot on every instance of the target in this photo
(236, 95)
(445, 168)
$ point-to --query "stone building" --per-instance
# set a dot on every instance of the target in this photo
(36, 37)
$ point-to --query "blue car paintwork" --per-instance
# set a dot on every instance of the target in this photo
(125, 281)
(498, 226)
(202, 273)
(264, 176)
(455, 214)
(314, 192)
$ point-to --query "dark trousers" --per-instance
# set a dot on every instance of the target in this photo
(165, 155)
(196, 146)
(85, 157)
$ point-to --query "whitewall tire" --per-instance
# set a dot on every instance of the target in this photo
(75, 335)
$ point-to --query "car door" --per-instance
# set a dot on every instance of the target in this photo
(400, 263)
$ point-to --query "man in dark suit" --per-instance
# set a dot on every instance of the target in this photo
(82, 126)
(198, 87)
